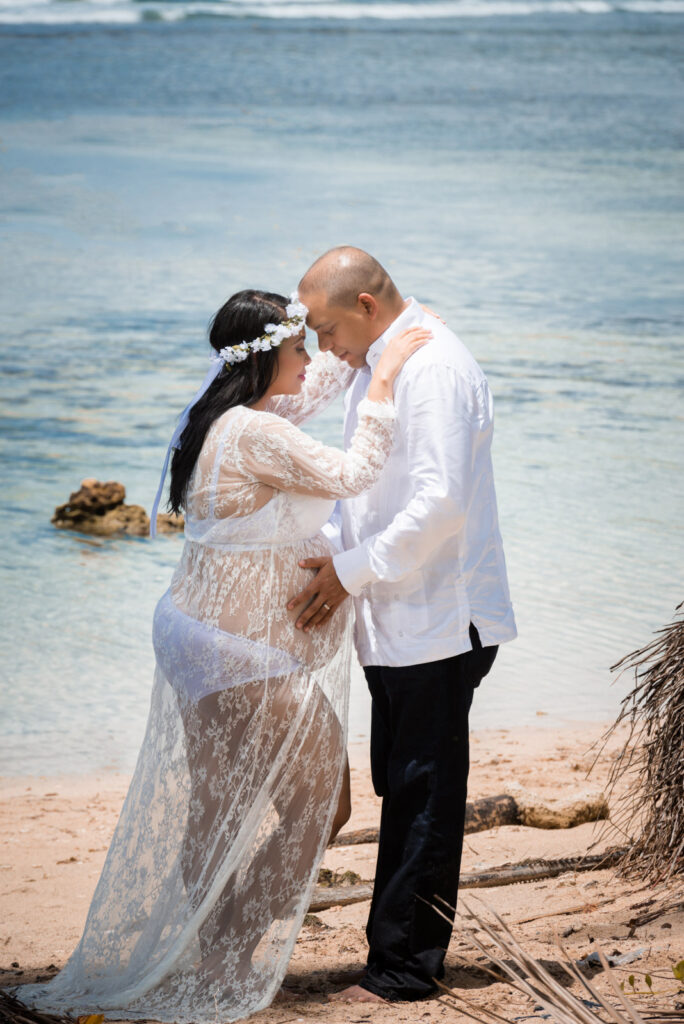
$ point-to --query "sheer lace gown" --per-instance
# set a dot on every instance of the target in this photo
(214, 857)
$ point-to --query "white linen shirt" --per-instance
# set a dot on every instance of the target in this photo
(423, 555)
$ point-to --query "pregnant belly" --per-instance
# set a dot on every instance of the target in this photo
(247, 594)
(318, 646)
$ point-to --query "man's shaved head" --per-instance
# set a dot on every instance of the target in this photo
(344, 273)
(351, 300)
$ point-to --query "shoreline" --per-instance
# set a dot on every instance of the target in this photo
(55, 832)
(543, 723)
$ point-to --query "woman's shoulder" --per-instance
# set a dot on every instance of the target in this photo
(248, 412)
(243, 419)
(237, 414)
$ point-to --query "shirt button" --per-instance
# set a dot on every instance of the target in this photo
(400, 632)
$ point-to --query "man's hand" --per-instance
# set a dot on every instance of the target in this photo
(321, 597)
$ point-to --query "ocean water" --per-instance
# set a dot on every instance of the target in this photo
(517, 165)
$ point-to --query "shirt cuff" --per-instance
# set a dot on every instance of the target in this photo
(353, 570)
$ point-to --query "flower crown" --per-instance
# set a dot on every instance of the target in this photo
(273, 336)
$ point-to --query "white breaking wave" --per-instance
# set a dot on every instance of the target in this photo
(120, 12)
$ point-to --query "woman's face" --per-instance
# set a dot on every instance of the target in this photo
(293, 360)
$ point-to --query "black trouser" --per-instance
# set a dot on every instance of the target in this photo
(419, 764)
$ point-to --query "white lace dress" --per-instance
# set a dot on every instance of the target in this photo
(214, 857)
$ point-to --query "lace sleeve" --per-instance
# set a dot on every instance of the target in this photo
(275, 452)
(326, 377)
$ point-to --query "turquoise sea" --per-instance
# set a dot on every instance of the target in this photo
(516, 165)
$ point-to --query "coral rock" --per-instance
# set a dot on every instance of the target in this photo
(94, 496)
(98, 508)
(169, 522)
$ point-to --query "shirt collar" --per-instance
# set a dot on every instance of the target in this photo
(404, 320)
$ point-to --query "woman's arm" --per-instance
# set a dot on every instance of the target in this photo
(275, 452)
(326, 377)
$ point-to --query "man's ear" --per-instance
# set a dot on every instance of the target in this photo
(369, 305)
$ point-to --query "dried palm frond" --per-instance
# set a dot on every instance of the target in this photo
(651, 760)
(13, 1011)
(531, 978)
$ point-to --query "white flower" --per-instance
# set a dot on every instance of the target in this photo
(261, 345)
(295, 308)
(270, 328)
(281, 332)
(228, 355)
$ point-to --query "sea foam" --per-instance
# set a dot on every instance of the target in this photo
(59, 12)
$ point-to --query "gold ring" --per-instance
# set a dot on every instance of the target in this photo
(326, 605)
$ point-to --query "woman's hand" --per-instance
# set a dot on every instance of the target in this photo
(397, 351)
(431, 312)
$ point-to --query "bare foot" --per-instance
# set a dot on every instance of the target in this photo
(356, 994)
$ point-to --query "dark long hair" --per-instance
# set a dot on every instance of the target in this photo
(242, 318)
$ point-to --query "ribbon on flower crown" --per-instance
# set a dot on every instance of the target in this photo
(274, 334)
(217, 365)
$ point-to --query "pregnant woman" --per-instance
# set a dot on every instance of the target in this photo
(233, 799)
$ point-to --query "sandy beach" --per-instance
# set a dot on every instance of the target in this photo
(55, 832)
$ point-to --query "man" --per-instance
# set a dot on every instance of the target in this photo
(423, 560)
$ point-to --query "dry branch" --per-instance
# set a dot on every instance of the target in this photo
(490, 812)
(522, 809)
(525, 871)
